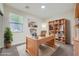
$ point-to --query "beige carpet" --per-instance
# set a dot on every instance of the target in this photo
(9, 52)
(62, 50)
(44, 50)
(21, 50)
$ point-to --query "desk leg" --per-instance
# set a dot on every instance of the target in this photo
(32, 47)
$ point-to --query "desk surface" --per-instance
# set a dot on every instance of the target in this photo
(32, 45)
(39, 37)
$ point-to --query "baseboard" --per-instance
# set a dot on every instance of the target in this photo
(19, 44)
(1, 50)
(14, 45)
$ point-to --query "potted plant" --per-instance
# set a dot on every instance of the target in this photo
(7, 38)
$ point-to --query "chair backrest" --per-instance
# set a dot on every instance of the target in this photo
(43, 33)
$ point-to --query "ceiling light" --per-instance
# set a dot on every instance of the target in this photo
(43, 6)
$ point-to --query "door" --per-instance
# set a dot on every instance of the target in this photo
(1, 32)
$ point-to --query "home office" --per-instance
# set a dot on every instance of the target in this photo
(38, 29)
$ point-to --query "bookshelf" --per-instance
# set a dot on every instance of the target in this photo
(76, 31)
(77, 10)
(33, 28)
(76, 27)
(59, 29)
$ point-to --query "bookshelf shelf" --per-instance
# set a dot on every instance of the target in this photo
(59, 29)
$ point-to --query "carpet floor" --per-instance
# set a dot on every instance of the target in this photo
(9, 52)
(62, 50)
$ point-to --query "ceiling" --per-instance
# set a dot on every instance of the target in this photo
(51, 9)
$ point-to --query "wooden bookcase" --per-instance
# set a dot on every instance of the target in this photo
(77, 10)
(76, 29)
(59, 29)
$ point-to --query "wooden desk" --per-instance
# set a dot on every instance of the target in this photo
(76, 46)
(32, 45)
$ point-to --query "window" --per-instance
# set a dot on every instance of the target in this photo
(16, 22)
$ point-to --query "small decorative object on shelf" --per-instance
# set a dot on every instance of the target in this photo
(61, 27)
(32, 24)
(78, 34)
(77, 28)
(77, 23)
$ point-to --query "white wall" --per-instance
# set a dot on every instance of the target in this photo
(1, 32)
(20, 37)
(1, 26)
(1, 7)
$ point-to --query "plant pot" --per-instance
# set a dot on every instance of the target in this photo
(7, 45)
